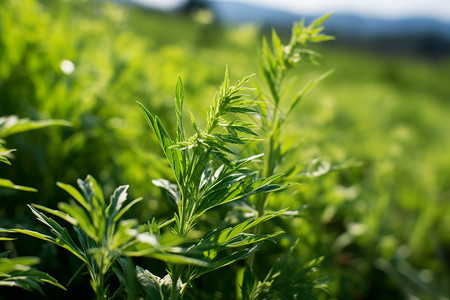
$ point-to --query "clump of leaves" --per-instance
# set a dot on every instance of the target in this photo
(17, 272)
(208, 174)
(102, 235)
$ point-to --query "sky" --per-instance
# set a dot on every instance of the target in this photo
(390, 9)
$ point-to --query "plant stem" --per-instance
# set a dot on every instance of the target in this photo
(174, 274)
(99, 289)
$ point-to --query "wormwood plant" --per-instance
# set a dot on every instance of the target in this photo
(207, 175)
(275, 63)
(289, 278)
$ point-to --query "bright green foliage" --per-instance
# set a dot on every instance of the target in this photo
(382, 227)
(10, 185)
(17, 272)
(102, 235)
(214, 245)
(201, 183)
(277, 60)
(275, 63)
(207, 177)
(12, 124)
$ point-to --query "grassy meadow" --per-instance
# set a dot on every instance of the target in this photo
(379, 125)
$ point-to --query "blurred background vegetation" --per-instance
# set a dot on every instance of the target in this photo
(382, 223)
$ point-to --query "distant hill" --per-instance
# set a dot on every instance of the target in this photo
(408, 36)
(230, 12)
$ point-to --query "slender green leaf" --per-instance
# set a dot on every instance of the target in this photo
(117, 199)
(74, 193)
(10, 125)
(320, 20)
(57, 213)
(179, 110)
(306, 89)
(9, 184)
(126, 208)
(82, 218)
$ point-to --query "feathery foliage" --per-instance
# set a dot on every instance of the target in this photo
(208, 175)
(276, 61)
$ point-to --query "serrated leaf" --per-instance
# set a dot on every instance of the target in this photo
(262, 184)
(18, 272)
(227, 237)
(228, 259)
(82, 218)
(242, 240)
(172, 154)
(277, 47)
(194, 125)
(176, 258)
(126, 208)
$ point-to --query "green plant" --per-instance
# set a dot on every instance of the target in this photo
(275, 63)
(17, 271)
(102, 237)
(208, 176)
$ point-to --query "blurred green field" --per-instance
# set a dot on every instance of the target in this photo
(381, 219)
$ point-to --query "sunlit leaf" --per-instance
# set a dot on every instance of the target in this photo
(9, 184)
(12, 124)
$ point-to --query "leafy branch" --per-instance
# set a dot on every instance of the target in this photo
(207, 176)
(276, 61)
